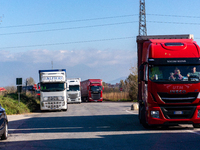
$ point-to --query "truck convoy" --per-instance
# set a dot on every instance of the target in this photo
(53, 89)
(73, 93)
(168, 80)
(92, 90)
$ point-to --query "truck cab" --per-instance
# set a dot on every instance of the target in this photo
(53, 89)
(168, 80)
(73, 92)
(92, 90)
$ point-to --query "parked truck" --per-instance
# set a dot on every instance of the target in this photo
(74, 93)
(92, 90)
(168, 80)
(53, 89)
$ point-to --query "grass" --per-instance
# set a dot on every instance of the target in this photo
(117, 96)
(28, 103)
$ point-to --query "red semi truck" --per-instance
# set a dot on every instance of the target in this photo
(92, 90)
(168, 80)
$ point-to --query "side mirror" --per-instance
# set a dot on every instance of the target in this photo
(141, 67)
(141, 75)
(66, 87)
(141, 72)
(102, 87)
(87, 87)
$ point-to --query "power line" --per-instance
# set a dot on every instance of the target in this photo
(92, 19)
(75, 42)
(173, 16)
(93, 26)
(70, 21)
(70, 28)
(174, 22)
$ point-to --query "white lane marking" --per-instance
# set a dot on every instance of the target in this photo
(55, 128)
(132, 112)
(195, 132)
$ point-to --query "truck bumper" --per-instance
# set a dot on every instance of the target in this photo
(77, 100)
(94, 100)
(173, 115)
(53, 105)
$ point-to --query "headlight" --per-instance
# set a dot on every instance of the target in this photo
(60, 98)
(45, 98)
(155, 114)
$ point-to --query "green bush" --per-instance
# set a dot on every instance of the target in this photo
(28, 103)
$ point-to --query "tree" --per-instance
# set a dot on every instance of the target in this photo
(29, 81)
(132, 83)
(11, 89)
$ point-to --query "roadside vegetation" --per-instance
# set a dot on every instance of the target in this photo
(129, 89)
(28, 103)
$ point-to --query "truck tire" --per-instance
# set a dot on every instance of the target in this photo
(86, 100)
(5, 134)
(196, 125)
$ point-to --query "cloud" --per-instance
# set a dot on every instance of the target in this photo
(90, 57)
(104, 64)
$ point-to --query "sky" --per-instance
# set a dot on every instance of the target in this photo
(88, 38)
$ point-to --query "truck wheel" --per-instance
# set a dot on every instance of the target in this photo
(196, 125)
(85, 99)
(5, 134)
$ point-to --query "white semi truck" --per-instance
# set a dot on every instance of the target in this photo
(73, 93)
(53, 94)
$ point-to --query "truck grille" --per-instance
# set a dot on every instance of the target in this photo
(53, 98)
(178, 112)
(73, 96)
(53, 104)
(96, 96)
(178, 98)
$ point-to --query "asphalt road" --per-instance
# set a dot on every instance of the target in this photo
(94, 126)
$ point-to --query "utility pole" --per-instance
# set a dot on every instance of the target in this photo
(52, 64)
(142, 19)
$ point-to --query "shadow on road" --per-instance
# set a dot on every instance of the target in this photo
(113, 132)
(95, 123)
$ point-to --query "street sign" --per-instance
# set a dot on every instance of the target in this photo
(18, 81)
(121, 89)
(19, 89)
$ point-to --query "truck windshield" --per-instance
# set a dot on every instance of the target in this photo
(182, 73)
(73, 88)
(95, 88)
(50, 87)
